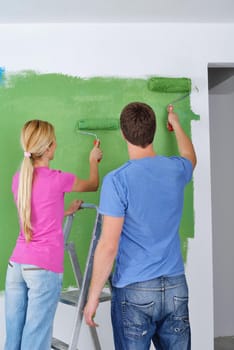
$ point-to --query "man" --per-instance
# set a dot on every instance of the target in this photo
(142, 204)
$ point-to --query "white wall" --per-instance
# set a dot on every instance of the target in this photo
(222, 175)
(138, 50)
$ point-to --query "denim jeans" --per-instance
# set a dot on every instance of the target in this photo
(155, 310)
(31, 298)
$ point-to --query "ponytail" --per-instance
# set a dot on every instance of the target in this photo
(24, 196)
(36, 137)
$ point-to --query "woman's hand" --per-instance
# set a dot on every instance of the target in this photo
(73, 207)
(96, 153)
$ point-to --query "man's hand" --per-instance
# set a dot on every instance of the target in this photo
(172, 118)
(90, 311)
(184, 143)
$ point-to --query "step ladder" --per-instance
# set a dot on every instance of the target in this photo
(77, 298)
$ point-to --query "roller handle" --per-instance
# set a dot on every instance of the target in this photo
(97, 142)
(169, 127)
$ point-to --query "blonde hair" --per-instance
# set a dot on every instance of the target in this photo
(36, 137)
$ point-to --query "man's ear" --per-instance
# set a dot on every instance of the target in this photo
(122, 135)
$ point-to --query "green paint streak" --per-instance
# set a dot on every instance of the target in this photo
(63, 100)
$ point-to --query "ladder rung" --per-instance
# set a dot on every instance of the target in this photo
(58, 344)
(71, 297)
(104, 297)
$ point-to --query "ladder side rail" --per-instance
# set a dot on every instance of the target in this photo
(70, 247)
(94, 335)
(67, 226)
(85, 287)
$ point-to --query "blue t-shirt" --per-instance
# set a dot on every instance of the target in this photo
(148, 193)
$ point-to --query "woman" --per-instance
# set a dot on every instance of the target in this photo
(35, 269)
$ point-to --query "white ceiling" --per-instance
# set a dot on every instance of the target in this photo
(30, 11)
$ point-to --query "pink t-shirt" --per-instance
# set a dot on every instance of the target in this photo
(46, 249)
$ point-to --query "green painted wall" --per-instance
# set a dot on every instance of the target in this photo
(63, 100)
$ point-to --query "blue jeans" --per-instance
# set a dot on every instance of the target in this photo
(155, 310)
(31, 298)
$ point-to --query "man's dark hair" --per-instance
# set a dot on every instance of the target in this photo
(138, 123)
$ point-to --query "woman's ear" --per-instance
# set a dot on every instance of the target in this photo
(47, 153)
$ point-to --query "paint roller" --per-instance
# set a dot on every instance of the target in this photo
(171, 85)
(85, 125)
(98, 124)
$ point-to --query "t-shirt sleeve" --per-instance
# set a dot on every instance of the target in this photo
(186, 167)
(66, 181)
(112, 200)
